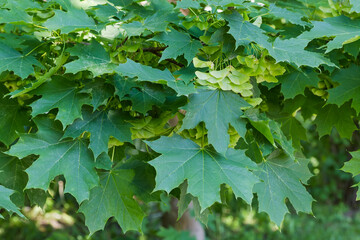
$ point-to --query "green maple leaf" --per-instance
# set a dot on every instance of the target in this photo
(332, 116)
(184, 4)
(92, 58)
(71, 20)
(17, 11)
(342, 28)
(217, 109)
(62, 94)
(123, 85)
(12, 175)
(100, 92)
(292, 51)
(355, 5)
(203, 168)
(245, 32)
(156, 23)
(20, 64)
(13, 118)
(348, 89)
(5, 201)
(144, 99)
(294, 83)
(353, 167)
(293, 17)
(173, 234)
(115, 197)
(70, 158)
(146, 73)
(282, 178)
(178, 44)
(101, 125)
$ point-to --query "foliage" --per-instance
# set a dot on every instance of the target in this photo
(128, 99)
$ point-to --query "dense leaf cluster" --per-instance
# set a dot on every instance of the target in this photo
(126, 99)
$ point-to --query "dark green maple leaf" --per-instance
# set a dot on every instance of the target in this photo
(62, 94)
(70, 158)
(217, 109)
(349, 79)
(282, 178)
(100, 92)
(13, 118)
(101, 125)
(331, 116)
(178, 44)
(115, 197)
(294, 83)
(144, 99)
(342, 28)
(146, 73)
(92, 58)
(5, 201)
(123, 85)
(353, 167)
(12, 175)
(203, 168)
(20, 64)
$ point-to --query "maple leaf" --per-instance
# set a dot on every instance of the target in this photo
(348, 89)
(71, 20)
(342, 28)
(115, 197)
(294, 83)
(178, 44)
(62, 94)
(217, 109)
(20, 64)
(331, 116)
(355, 6)
(101, 125)
(203, 168)
(5, 201)
(70, 158)
(13, 116)
(353, 166)
(282, 178)
(92, 58)
(292, 51)
(146, 73)
(291, 16)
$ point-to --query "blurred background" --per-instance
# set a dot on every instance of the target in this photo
(336, 213)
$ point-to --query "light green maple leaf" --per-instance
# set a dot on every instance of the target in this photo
(349, 79)
(146, 73)
(101, 125)
(5, 201)
(13, 118)
(282, 178)
(203, 168)
(331, 116)
(353, 167)
(92, 58)
(71, 20)
(292, 51)
(17, 11)
(292, 17)
(20, 64)
(178, 44)
(115, 197)
(355, 5)
(70, 158)
(217, 109)
(294, 83)
(62, 94)
(342, 28)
